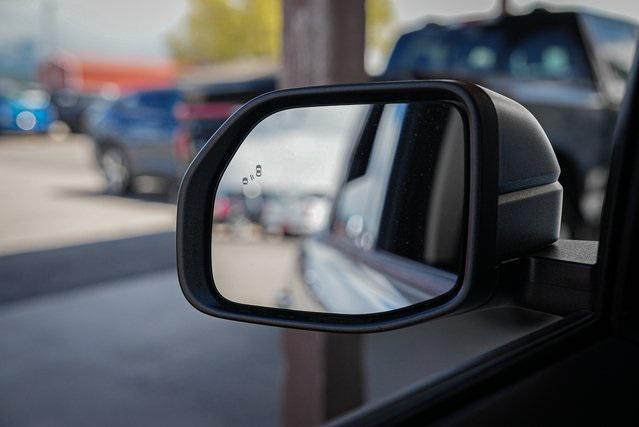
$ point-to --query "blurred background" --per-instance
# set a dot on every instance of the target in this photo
(104, 104)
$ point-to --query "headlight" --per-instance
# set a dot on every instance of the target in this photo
(26, 120)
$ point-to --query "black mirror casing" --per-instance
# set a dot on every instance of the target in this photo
(482, 111)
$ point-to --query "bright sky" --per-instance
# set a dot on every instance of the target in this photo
(138, 28)
(120, 28)
(411, 12)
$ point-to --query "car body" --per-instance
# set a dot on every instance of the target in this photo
(295, 215)
(94, 113)
(568, 68)
(71, 106)
(133, 137)
(229, 208)
(26, 110)
(205, 107)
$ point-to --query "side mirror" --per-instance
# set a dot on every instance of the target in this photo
(400, 199)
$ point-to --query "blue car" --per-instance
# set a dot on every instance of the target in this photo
(26, 111)
(133, 137)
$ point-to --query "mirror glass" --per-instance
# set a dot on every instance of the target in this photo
(343, 209)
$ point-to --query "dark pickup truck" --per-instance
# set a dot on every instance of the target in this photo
(568, 68)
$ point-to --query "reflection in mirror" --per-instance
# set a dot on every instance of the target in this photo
(343, 209)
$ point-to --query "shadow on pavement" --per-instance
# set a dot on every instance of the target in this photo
(35, 273)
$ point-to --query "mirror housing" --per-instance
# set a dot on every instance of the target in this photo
(513, 200)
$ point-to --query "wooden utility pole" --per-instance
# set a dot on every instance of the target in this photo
(503, 7)
(323, 44)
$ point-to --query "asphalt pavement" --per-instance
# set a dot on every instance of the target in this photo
(95, 330)
(29, 274)
(133, 352)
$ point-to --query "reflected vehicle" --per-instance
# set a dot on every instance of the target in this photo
(133, 137)
(295, 215)
(25, 110)
(568, 68)
(222, 209)
(309, 164)
(229, 208)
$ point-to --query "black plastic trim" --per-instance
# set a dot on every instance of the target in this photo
(196, 196)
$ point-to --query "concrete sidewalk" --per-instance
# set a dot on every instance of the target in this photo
(52, 194)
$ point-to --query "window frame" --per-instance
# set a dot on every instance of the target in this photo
(410, 272)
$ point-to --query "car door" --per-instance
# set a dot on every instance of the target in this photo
(150, 133)
(578, 372)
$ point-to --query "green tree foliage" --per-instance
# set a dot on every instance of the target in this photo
(379, 19)
(223, 30)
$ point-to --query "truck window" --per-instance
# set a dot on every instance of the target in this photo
(554, 54)
(614, 41)
(437, 50)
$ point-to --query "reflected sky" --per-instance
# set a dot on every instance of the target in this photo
(297, 151)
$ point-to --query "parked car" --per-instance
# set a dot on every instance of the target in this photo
(229, 208)
(25, 110)
(295, 215)
(93, 114)
(205, 107)
(133, 137)
(568, 68)
(71, 106)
